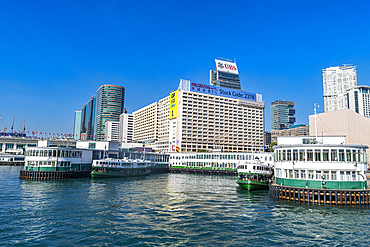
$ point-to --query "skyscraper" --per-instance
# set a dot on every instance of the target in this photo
(109, 106)
(282, 114)
(336, 80)
(83, 119)
(77, 126)
(359, 100)
(226, 75)
(90, 118)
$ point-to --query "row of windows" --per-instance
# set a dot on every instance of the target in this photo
(49, 163)
(319, 175)
(222, 157)
(54, 153)
(342, 155)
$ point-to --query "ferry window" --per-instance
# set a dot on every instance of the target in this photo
(279, 155)
(317, 155)
(286, 173)
(290, 173)
(301, 155)
(334, 155)
(326, 175)
(254, 167)
(50, 153)
(318, 174)
(353, 176)
(54, 153)
(295, 154)
(325, 155)
(341, 155)
(333, 175)
(284, 155)
(348, 175)
(278, 172)
(296, 173)
(349, 155)
(289, 155)
(309, 155)
(303, 174)
(354, 155)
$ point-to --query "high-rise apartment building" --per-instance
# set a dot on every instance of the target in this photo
(359, 100)
(109, 107)
(282, 114)
(126, 127)
(198, 116)
(336, 81)
(77, 126)
(226, 75)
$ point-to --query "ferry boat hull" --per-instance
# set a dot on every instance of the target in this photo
(253, 185)
(115, 172)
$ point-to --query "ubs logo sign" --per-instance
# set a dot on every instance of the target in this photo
(220, 65)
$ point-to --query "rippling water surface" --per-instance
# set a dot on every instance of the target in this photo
(168, 210)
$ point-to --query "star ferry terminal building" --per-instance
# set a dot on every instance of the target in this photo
(202, 117)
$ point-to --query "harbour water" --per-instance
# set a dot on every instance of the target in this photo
(166, 210)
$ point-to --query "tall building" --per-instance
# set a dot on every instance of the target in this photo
(198, 116)
(83, 119)
(77, 126)
(111, 131)
(109, 107)
(226, 75)
(126, 127)
(282, 114)
(90, 118)
(336, 81)
(359, 100)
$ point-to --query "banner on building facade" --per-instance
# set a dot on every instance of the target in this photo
(221, 91)
(173, 105)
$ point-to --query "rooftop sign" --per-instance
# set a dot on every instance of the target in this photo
(226, 67)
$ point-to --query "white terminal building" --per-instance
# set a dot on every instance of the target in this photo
(197, 116)
(336, 81)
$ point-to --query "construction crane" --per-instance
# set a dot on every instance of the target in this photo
(4, 127)
(13, 124)
(20, 126)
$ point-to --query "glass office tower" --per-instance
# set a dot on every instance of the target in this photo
(109, 106)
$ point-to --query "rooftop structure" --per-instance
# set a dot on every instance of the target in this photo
(226, 74)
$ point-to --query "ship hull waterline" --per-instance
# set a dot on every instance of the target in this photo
(95, 174)
(253, 185)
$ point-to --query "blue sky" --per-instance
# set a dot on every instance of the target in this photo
(55, 54)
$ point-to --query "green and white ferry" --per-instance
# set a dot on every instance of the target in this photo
(109, 167)
(254, 175)
(320, 163)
